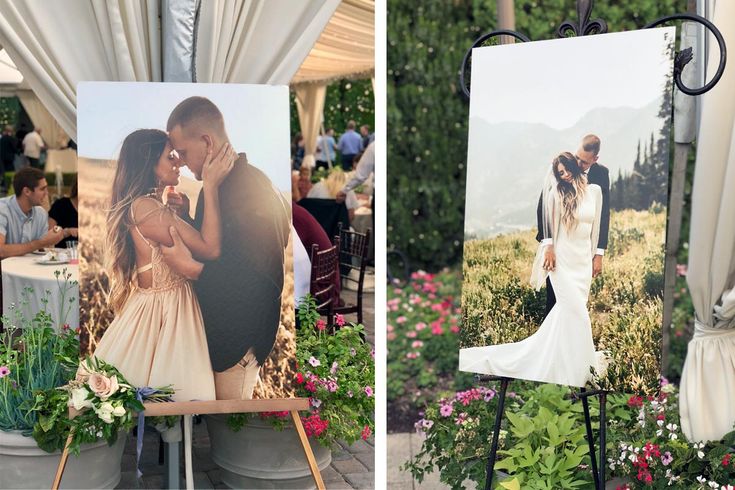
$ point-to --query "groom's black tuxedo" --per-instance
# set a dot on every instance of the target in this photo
(597, 174)
(240, 293)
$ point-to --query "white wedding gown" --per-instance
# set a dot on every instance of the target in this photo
(562, 350)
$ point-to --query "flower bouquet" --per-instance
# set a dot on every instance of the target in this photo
(102, 403)
(337, 373)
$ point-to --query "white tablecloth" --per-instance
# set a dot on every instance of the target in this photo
(23, 272)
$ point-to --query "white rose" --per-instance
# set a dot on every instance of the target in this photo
(104, 412)
(118, 411)
(78, 399)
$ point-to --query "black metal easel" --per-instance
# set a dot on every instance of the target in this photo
(583, 27)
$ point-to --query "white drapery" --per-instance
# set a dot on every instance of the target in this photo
(257, 41)
(51, 132)
(707, 402)
(346, 48)
(55, 45)
(310, 104)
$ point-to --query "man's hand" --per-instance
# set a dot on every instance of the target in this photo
(549, 259)
(179, 258)
(53, 236)
(596, 265)
(341, 196)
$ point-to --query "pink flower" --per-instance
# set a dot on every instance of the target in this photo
(681, 269)
(436, 330)
(420, 326)
(445, 410)
(349, 393)
(321, 325)
(314, 361)
(353, 352)
(310, 387)
(412, 355)
(391, 336)
(667, 458)
(389, 328)
(299, 378)
(401, 320)
(334, 367)
(366, 433)
(4, 371)
(339, 320)
(411, 334)
(315, 402)
(332, 386)
(454, 329)
(368, 391)
(417, 344)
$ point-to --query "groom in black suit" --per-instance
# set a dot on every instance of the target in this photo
(587, 156)
(240, 292)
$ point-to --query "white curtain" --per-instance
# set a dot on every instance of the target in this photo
(257, 41)
(51, 132)
(310, 104)
(707, 403)
(57, 44)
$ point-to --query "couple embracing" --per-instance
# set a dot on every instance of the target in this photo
(197, 301)
(573, 218)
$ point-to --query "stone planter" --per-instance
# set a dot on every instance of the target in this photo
(24, 465)
(259, 456)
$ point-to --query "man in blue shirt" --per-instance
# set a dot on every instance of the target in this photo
(350, 144)
(23, 222)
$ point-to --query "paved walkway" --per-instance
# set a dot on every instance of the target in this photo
(401, 448)
(352, 466)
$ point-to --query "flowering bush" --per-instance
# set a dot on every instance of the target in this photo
(648, 447)
(33, 356)
(103, 402)
(423, 346)
(543, 441)
(337, 373)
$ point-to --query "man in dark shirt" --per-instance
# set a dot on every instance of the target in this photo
(239, 293)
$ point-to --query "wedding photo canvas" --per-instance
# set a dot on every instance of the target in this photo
(565, 211)
(186, 270)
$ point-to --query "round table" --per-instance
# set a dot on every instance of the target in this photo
(45, 282)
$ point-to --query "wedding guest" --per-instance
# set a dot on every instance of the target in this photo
(326, 149)
(297, 151)
(367, 136)
(64, 212)
(24, 225)
(330, 187)
(33, 145)
(8, 147)
(304, 182)
(350, 144)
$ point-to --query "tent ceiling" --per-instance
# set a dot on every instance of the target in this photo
(9, 74)
(346, 47)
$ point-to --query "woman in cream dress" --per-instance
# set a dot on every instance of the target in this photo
(562, 350)
(157, 337)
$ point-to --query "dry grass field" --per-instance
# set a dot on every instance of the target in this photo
(626, 300)
(95, 181)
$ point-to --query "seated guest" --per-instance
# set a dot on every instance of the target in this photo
(24, 223)
(310, 232)
(64, 213)
(304, 183)
(330, 187)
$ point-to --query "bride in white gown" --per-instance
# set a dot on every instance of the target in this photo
(562, 350)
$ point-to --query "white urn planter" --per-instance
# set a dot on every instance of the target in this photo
(258, 456)
(24, 465)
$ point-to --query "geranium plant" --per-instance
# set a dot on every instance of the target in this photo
(336, 371)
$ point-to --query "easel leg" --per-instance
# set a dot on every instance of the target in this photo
(187, 453)
(172, 458)
(496, 432)
(62, 462)
(590, 438)
(307, 450)
(603, 434)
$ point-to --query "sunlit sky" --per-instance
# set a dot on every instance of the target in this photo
(256, 118)
(538, 82)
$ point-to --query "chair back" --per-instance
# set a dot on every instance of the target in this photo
(324, 270)
(354, 252)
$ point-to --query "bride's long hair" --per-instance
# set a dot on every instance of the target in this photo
(135, 177)
(570, 193)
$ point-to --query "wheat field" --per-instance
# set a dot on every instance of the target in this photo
(626, 300)
(95, 183)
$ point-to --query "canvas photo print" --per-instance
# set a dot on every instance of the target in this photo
(186, 267)
(565, 214)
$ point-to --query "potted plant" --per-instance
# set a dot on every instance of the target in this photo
(336, 372)
(41, 379)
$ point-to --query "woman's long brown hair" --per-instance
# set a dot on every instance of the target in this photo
(134, 177)
(571, 193)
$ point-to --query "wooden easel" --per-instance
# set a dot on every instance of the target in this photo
(292, 405)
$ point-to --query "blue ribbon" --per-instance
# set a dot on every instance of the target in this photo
(141, 394)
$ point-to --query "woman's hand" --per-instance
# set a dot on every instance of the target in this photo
(216, 168)
(549, 259)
